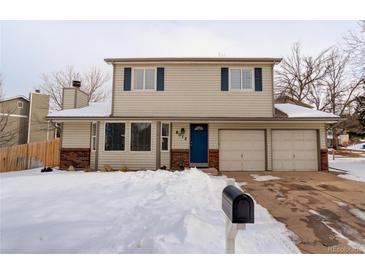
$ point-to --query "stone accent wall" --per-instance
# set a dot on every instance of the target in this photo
(324, 160)
(180, 158)
(79, 158)
(213, 158)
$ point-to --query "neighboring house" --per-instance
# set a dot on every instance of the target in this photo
(24, 121)
(186, 112)
(14, 114)
(288, 100)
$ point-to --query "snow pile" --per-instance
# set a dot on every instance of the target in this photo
(92, 110)
(357, 146)
(132, 212)
(264, 178)
(295, 111)
(358, 213)
(341, 204)
(354, 166)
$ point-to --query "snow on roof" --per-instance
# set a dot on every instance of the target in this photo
(92, 110)
(295, 111)
(15, 97)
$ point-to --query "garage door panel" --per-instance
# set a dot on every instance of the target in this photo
(254, 165)
(228, 155)
(230, 165)
(294, 150)
(242, 150)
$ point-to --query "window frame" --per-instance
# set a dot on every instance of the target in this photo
(241, 75)
(19, 104)
(230, 77)
(92, 142)
(130, 137)
(125, 131)
(144, 79)
(168, 137)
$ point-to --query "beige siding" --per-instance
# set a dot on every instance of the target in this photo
(68, 98)
(81, 99)
(11, 107)
(76, 135)
(92, 159)
(133, 160)
(180, 142)
(39, 128)
(193, 91)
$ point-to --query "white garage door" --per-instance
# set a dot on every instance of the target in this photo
(294, 150)
(241, 150)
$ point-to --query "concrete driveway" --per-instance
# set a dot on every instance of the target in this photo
(325, 213)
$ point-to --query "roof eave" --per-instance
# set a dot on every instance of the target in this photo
(192, 60)
(239, 119)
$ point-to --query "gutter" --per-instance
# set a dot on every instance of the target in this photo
(192, 60)
(225, 119)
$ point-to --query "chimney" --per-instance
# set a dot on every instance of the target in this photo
(37, 91)
(76, 84)
(74, 97)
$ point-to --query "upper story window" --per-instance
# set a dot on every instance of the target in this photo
(241, 79)
(20, 104)
(144, 79)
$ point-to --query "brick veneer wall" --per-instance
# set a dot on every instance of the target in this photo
(213, 160)
(77, 157)
(324, 160)
(180, 158)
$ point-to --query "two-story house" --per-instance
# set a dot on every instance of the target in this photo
(23, 120)
(185, 112)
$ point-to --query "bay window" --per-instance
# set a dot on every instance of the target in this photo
(114, 136)
(140, 136)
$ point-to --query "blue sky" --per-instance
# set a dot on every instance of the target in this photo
(30, 48)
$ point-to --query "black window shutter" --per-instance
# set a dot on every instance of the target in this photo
(258, 79)
(160, 79)
(127, 78)
(224, 79)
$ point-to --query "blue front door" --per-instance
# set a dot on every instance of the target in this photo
(199, 145)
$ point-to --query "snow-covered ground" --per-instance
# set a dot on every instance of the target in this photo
(264, 178)
(357, 146)
(132, 212)
(354, 166)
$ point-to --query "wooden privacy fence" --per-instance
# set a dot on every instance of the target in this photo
(31, 155)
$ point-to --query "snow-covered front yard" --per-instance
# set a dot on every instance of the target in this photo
(355, 167)
(131, 212)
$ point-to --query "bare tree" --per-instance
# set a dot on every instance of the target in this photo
(93, 82)
(342, 85)
(2, 93)
(8, 129)
(297, 74)
(355, 47)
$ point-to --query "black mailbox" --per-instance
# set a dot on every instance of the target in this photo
(238, 206)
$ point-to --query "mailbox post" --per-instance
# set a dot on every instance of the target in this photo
(239, 210)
